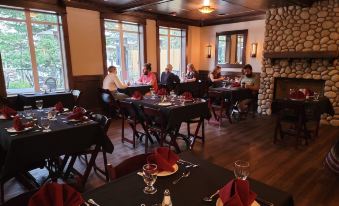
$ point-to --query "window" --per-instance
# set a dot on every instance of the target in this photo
(172, 43)
(123, 48)
(32, 50)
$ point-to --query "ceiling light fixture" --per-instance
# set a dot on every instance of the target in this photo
(206, 8)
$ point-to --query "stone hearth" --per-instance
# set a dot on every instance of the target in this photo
(296, 29)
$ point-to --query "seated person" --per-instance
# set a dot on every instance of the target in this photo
(168, 78)
(248, 81)
(192, 74)
(215, 77)
(148, 77)
(113, 83)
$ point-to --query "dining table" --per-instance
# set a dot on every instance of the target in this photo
(143, 89)
(195, 88)
(204, 180)
(234, 94)
(49, 99)
(176, 111)
(21, 150)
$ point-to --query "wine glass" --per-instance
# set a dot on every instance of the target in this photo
(28, 111)
(241, 169)
(172, 94)
(223, 84)
(45, 123)
(152, 93)
(150, 176)
(39, 104)
(52, 114)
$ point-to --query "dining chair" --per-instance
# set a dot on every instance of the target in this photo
(76, 95)
(129, 114)
(219, 106)
(127, 166)
(200, 124)
(21, 199)
(156, 124)
(51, 83)
(109, 104)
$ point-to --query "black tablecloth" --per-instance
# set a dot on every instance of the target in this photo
(203, 181)
(234, 93)
(176, 113)
(131, 89)
(50, 99)
(196, 88)
(321, 107)
(27, 148)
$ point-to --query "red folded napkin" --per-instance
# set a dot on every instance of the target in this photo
(297, 95)
(59, 107)
(237, 193)
(187, 95)
(19, 126)
(235, 84)
(54, 194)
(162, 92)
(7, 112)
(137, 95)
(164, 158)
(78, 113)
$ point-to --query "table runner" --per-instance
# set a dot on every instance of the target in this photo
(204, 180)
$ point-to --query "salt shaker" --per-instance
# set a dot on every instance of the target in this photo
(167, 199)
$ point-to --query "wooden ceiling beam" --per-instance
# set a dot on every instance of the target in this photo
(138, 4)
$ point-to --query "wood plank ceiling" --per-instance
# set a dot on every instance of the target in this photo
(187, 11)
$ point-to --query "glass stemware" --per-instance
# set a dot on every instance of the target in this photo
(45, 124)
(39, 104)
(241, 169)
(52, 114)
(152, 93)
(150, 176)
(28, 111)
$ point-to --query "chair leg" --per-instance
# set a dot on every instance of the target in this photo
(277, 126)
(188, 130)
(104, 155)
(122, 129)
(203, 131)
(2, 193)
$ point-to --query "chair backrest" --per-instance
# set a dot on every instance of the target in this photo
(51, 83)
(105, 96)
(153, 116)
(127, 110)
(104, 121)
(127, 166)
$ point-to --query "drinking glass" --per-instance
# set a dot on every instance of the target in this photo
(152, 93)
(28, 111)
(52, 114)
(241, 169)
(150, 176)
(316, 96)
(45, 123)
(223, 84)
(172, 94)
(39, 104)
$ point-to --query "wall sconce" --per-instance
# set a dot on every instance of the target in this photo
(254, 47)
(209, 49)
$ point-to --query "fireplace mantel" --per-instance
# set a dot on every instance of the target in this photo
(331, 55)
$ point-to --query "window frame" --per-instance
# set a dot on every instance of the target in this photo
(61, 24)
(184, 39)
(245, 34)
(120, 19)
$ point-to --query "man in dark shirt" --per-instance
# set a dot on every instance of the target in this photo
(168, 78)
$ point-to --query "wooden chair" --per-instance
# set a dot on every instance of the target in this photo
(129, 114)
(200, 124)
(127, 166)
(21, 199)
(76, 95)
(156, 123)
(219, 106)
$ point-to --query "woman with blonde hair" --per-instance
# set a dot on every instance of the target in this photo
(192, 74)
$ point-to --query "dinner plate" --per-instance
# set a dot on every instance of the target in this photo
(165, 104)
(78, 120)
(167, 173)
(293, 99)
(12, 130)
(219, 203)
(2, 116)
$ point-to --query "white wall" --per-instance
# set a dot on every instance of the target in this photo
(256, 33)
(85, 41)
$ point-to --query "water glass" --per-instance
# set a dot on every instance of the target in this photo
(52, 114)
(39, 104)
(316, 96)
(241, 169)
(28, 111)
(150, 176)
(152, 93)
(45, 124)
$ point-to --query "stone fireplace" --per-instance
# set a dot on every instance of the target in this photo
(302, 43)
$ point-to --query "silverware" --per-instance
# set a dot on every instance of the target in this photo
(210, 198)
(184, 174)
(93, 202)
(190, 164)
(264, 202)
(12, 135)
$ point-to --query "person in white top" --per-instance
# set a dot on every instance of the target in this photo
(113, 83)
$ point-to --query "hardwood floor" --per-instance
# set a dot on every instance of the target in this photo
(297, 171)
